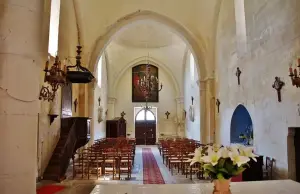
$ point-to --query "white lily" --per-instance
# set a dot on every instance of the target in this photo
(216, 147)
(236, 158)
(197, 156)
(248, 152)
(224, 152)
(212, 157)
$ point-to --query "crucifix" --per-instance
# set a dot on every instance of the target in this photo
(238, 74)
(167, 114)
(192, 100)
(75, 104)
(218, 104)
(123, 114)
(277, 85)
(99, 100)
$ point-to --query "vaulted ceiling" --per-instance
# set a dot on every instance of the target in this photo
(146, 40)
(198, 17)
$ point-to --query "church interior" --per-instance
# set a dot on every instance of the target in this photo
(149, 96)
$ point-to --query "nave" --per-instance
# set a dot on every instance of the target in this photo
(148, 168)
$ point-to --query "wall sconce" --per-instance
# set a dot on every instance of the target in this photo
(293, 74)
(167, 114)
(277, 85)
(55, 77)
(238, 74)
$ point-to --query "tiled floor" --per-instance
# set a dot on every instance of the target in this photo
(78, 186)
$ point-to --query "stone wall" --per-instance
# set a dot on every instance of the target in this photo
(191, 89)
(272, 43)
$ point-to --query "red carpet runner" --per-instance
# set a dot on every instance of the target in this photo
(151, 172)
(49, 189)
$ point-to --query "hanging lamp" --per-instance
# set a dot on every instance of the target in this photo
(78, 73)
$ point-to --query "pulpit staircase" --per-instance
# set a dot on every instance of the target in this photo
(75, 133)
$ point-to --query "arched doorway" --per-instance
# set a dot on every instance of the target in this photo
(145, 127)
(241, 129)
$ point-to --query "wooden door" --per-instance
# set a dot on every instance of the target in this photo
(297, 153)
(145, 132)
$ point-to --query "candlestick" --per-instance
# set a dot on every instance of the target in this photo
(59, 65)
(291, 70)
(47, 65)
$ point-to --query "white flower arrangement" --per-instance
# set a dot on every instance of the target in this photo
(220, 162)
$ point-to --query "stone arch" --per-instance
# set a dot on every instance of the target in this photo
(152, 61)
(241, 123)
(139, 15)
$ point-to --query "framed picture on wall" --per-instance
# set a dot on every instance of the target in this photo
(138, 74)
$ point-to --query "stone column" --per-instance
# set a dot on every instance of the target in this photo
(179, 116)
(111, 107)
(22, 56)
(210, 108)
(203, 112)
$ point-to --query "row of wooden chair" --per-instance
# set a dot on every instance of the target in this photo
(105, 157)
(176, 154)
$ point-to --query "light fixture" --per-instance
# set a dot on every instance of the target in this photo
(55, 77)
(293, 74)
(80, 74)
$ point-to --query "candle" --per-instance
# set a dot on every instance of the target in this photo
(291, 69)
(65, 68)
(47, 65)
(59, 65)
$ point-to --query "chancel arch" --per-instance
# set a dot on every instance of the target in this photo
(138, 16)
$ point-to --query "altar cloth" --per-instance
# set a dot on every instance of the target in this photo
(253, 187)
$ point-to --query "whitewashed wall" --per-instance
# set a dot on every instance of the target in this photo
(191, 88)
(272, 43)
(166, 103)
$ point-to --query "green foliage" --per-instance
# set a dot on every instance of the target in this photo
(225, 169)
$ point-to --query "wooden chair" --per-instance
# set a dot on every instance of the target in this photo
(125, 162)
(110, 161)
(81, 164)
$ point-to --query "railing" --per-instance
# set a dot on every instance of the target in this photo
(68, 150)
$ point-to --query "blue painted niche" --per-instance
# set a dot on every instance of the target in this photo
(241, 123)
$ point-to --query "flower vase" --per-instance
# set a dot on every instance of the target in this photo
(222, 186)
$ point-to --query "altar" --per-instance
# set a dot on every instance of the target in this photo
(254, 187)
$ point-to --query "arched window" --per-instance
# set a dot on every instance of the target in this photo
(240, 20)
(54, 27)
(99, 69)
(145, 115)
(192, 67)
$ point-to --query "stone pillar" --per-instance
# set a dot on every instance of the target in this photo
(180, 121)
(207, 107)
(111, 107)
(203, 112)
(210, 108)
(22, 56)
